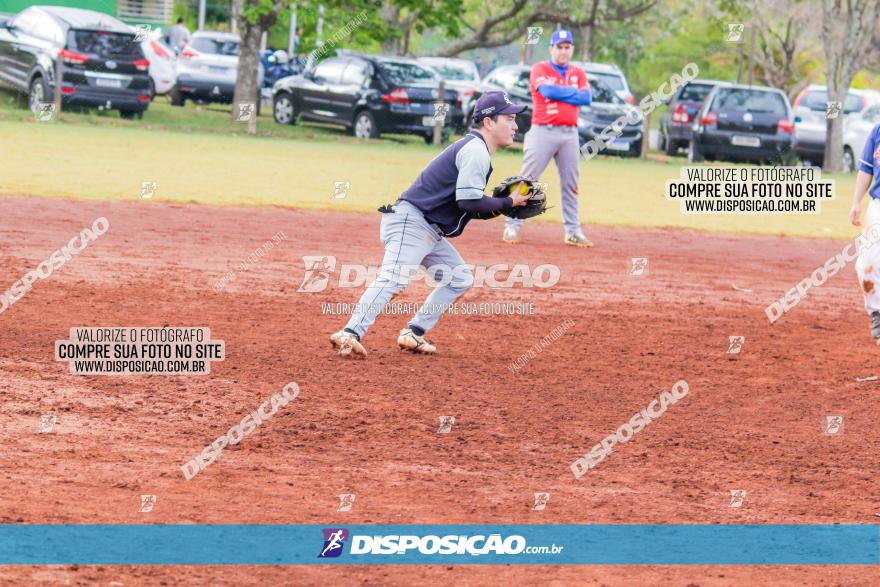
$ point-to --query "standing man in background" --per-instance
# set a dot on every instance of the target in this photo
(558, 90)
(177, 36)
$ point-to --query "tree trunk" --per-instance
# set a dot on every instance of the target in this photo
(834, 129)
(586, 37)
(847, 30)
(246, 88)
(390, 14)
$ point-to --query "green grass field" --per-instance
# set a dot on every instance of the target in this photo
(200, 155)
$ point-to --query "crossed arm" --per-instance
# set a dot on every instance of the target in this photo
(567, 94)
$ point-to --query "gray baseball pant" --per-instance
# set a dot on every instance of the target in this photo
(409, 242)
(542, 143)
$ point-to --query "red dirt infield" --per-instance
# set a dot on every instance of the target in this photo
(750, 421)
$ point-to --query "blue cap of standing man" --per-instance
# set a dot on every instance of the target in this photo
(492, 103)
(561, 36)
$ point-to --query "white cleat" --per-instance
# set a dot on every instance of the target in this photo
(577, 239)
(410, 341)
(348, 345)
(511, 235)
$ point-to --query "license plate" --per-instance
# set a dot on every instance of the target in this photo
(741, 141)
(428, 121)
(617, 146)
(108, 83)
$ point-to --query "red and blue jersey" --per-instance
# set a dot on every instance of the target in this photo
(555, 112)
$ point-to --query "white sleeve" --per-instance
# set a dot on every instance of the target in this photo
(473, 165)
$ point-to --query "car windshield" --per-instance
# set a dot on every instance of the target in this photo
(400, 73)
(754, 101)
(615, 82)
(602, 93)
(215, 46)
(695, 92)
(104, 43)
(816, 100)
(454, 71)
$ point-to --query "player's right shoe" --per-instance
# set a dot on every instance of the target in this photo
(511, 235)
(875, 326)
(577, 239)
(410, 341)
(348, 345)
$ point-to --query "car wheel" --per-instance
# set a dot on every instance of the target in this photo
(849, 162)
(694, 153)
(364, 126)
(37, 93)
(283, 109)
(131, 114)
(671, 148)
(177, 98)
(635, 151)
(152, 90)
(662, 144)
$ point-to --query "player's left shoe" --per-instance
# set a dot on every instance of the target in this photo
(410, 341)
(577, 239)
(348, 345)
(875, 326)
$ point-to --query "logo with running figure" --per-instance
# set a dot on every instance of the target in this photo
(334, 540)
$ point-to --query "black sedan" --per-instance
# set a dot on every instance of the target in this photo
(743, 123)
(608, 107)
(369, 95)
(103, 65)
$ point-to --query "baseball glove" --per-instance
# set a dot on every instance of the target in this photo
(521, 185)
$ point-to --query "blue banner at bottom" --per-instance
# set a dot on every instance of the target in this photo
(599, 544)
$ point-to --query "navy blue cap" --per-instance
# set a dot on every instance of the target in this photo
(492, 103)
(561, 36)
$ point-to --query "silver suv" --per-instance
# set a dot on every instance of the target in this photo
(207, 68)
(611, 75)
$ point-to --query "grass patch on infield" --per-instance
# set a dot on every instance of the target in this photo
(201, 156)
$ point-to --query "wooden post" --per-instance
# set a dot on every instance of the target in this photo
(252, 122)
(752, 56)
(646, 138)
(59, 78)
(438, 121)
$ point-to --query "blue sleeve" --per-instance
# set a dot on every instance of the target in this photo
(866, 162)
(582, 98)
(554, 92)
(566, 94)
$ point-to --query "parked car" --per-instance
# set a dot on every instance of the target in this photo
(104, 67)
(685, 104)
(743, 123)
(461, 75)
(856, 129)
(810, 124)
(207, 68)
(513, 79)
(163, 65)
(611, 75)
(606, 108)
(368, 94)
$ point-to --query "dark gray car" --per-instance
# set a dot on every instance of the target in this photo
(103, 65)
(743, 123)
